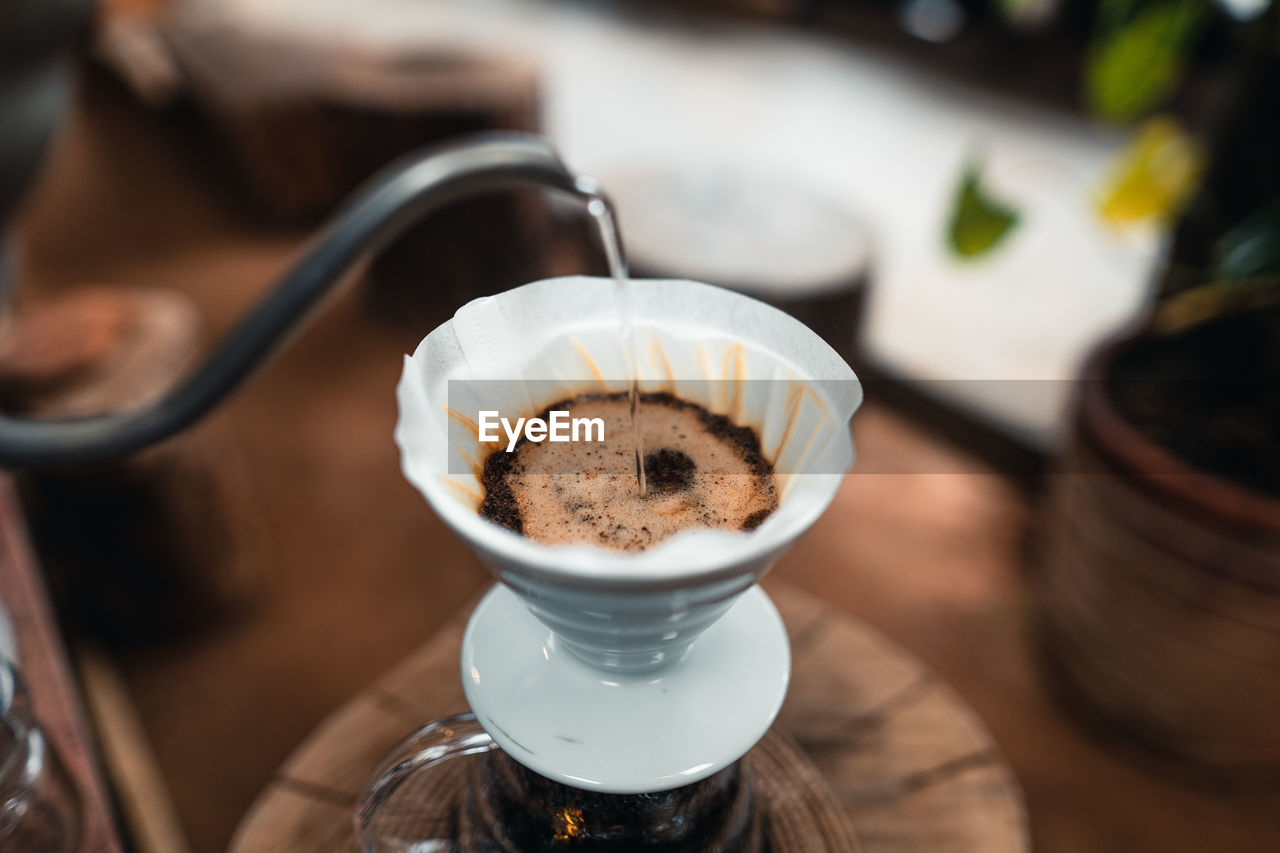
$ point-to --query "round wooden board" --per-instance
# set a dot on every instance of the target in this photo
(912, 766)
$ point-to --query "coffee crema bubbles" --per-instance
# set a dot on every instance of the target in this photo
(702, 471)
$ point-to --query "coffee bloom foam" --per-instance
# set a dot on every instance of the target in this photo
(703, 472)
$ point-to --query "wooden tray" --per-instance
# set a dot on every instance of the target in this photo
(910, 765)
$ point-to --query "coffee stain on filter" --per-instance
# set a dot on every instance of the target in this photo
(707, 370)
(734, 372)
(463, 419)
(590, 362)
(472, 428)
(658, 356)
(466, 496)
(794, 398)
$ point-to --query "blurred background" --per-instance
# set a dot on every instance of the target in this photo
(965, 197)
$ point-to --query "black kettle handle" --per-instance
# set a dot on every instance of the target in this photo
(381, 210)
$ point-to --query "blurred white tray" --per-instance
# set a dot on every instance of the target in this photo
(627, 88)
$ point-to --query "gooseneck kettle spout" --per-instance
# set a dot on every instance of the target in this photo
(382, 209)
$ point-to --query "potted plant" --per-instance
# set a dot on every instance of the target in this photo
(1158, 595)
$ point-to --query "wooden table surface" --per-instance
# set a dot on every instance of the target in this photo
(903, 758)
(923, 542)
(47, 671)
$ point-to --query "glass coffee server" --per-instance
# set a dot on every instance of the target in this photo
(39, 806)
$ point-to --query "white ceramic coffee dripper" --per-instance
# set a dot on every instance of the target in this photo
(628, 672)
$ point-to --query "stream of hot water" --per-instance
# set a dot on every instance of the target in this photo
(602, 212)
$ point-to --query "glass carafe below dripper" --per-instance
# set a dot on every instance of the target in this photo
(447, 787)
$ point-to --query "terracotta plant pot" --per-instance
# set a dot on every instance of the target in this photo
(1159, 594)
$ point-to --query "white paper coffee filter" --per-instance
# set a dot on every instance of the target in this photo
(691, 337)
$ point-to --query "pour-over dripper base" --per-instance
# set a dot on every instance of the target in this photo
(625, 734)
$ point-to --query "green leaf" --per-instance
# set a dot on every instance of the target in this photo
(978, 221)
(1251, 250)
(1134, 66)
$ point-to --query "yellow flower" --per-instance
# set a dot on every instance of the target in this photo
(1154, 176)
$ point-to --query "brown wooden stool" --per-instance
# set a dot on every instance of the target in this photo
(147, 544)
